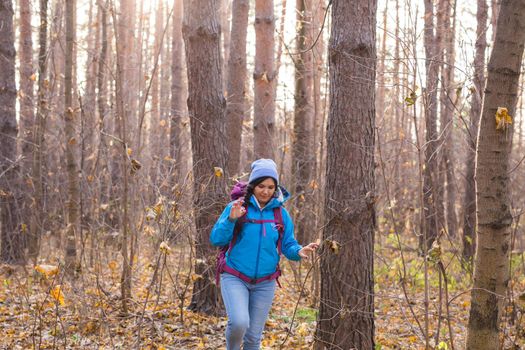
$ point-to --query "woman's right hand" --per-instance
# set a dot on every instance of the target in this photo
(237, 209)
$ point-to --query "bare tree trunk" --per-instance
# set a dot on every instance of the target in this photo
(37, 216)
(380, 101)
(445, 56)
(178, 94)
(236, 108)
(154, 120)
(264, 88)
(124, 83)
(165, 86)
(303, 159)
(431, 187)
(73, 220)
(225, 12)
(27, 116)
(207, 107)
(493, 192)
(12, 244)
(469, 200)
(346, 319)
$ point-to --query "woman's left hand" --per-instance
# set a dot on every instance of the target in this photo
(305, 251)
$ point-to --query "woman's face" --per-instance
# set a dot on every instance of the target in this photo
(264, 191)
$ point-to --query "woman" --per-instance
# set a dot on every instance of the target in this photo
(253, 259)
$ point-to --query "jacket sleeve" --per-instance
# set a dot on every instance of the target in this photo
(290, 247)
(222, 231)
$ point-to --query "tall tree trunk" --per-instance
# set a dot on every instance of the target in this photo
(236, 107)
(27, 114)
(431, 189)
(165, 86)
(225, 12)
(264, 88)
(380, 100)
(207, 107)
(178, 94)
(303, 159)
(37, 216)
(70, 114)
(12, 245)
(154, 120)
(346, 320)
(494, 216)
(124, 83)
(469, 200)
(447, 184)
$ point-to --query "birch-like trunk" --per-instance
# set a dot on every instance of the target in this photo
(493, 191)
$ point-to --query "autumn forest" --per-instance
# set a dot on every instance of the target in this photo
(396, 126)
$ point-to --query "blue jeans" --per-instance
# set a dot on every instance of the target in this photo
(247, 306)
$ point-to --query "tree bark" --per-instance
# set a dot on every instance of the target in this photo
(178, 95)
(447, 107)
(70, 114)
(431, 189)
(264, 88)
(12, 244)
(236, 108)
(494, 216)
(206, 107)
(469, 200)
(346, 311)
(36, 226)
(303, 159)
(27, 118)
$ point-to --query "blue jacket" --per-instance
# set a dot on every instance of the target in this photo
(255, 251)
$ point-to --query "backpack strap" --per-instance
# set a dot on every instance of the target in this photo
(279, 224)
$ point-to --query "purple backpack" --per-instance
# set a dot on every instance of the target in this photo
(239, 191)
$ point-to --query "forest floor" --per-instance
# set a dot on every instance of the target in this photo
(36, 314)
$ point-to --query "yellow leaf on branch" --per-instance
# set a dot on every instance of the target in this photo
(47, 270)
(165, 248)
(57, 294)
(503, 119)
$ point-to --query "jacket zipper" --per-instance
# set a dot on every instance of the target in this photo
(259, 247)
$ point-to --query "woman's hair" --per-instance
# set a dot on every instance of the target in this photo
(252, 185)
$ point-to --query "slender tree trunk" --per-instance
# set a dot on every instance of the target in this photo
(124, 83)
(447, 184)
(225, 12)
(178, 94)
(380, 101)
(493, 192)
(27, 116)
(12, 244)
(469, 200)
(236, 109)
(346, 319)
(70, 115)
(303, 159)
(207, 107)
(165, 86)
(154, 120)
(431, 192)
(264, 88)
(37, 216)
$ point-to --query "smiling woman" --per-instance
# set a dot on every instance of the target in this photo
(256, 229)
